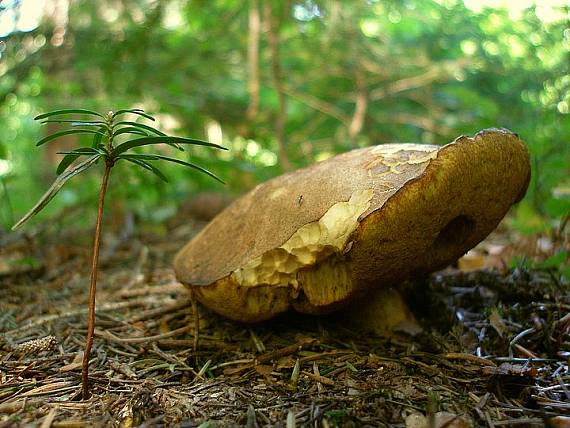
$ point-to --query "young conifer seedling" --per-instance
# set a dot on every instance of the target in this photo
(113, 140)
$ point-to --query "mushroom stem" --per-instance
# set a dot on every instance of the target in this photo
(382, 311)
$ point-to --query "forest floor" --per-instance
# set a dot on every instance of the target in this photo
(494, 350)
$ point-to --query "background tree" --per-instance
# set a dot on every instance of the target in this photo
(348, 74)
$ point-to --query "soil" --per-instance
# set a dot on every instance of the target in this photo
(494, 350)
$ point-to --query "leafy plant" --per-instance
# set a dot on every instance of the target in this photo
(4, 173)
(106, 130)
(557, 264)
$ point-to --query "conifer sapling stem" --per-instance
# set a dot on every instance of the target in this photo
(106, 126)
(93, 283)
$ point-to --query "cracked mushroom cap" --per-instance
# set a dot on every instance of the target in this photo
(315, 238)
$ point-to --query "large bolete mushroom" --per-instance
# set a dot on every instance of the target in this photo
(316, 238)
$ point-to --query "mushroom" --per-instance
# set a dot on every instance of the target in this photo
(358, 223)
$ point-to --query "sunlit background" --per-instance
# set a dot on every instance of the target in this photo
(282, 84)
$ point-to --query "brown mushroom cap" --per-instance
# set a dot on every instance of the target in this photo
(315, 238)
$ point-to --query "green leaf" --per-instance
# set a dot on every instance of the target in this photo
(145, 165)
(555, 261)
(56, 135)
(72, 155)
(565, 272)
(55, 187)
(129, 130)
(528, 221)
(83, 150)
(75, 122)
(141, 126)
(96, 143)
(558, 207)
(153, 157)
(143, 156)
(150, 129)
(145, 141)
(65, 162)
(188, 164)
(68, 111)
(138, 111)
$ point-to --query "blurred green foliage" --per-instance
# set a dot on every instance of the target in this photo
(351, 74)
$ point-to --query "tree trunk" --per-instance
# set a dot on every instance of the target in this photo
(253, 60)
(360, 108)
(273, 33)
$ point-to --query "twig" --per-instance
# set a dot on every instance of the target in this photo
(196, 340)
(519, 421)
(156, 313)
(152, 289)
(49, 418)
(439, 72)
(317, 104)
(171, 358)
(68, 314)
(563, 386)
(519, 337)
(110, 336)
(319, 378)
(287, 350)
(468, 357)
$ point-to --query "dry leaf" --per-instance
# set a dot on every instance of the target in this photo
(440, 420)
(471, 261)
(497, 323)
(263, 369)
(75, 364)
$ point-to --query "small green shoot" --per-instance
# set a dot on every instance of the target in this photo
(105, 146)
